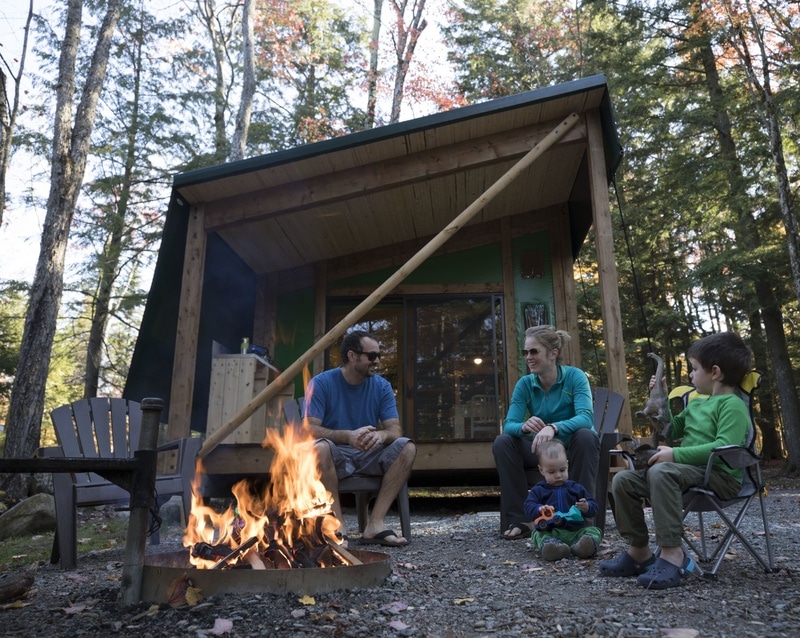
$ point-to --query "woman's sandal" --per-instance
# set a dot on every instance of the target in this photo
(623, 566)
(664, 574)
(524, 532)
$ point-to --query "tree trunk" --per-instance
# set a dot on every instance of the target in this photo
(372, 81)
(70, 148)
(239, 142)
(9, 111)
(765, 101)
(771, 447)
(208, 12)
(747, 233)
(405, 45)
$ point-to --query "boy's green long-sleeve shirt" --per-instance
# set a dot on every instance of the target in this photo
(707, 423)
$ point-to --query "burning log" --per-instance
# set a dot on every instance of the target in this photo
(207, 551)
(236, 552)
(343, 553)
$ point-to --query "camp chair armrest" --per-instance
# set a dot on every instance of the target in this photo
(734, 456)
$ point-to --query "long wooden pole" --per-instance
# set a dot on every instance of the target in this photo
(379, 293)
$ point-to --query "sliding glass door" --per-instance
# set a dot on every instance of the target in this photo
(444, 357)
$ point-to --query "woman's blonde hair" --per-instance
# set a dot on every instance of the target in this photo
(549, 337)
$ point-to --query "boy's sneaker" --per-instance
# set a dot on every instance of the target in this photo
(584, 547)
(553, 550)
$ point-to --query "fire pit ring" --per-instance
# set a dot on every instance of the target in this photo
(161, 569)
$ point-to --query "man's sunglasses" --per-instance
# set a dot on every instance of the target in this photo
(370, 355)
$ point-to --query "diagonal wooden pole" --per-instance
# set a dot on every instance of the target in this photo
(379, 293)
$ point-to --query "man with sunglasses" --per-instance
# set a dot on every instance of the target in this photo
(353, 413)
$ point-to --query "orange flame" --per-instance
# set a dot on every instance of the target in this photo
(293, 508)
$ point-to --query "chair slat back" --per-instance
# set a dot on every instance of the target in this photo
(97, 428)
(607, 406)
(84, 429)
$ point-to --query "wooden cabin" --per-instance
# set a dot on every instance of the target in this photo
(280, 248)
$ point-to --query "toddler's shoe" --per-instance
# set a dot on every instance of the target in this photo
(584, 547)
(553, 550)
(664, 574)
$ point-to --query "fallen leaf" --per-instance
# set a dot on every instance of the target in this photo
(75, 609)
(531, 567)
(298, 613)
(152, 610)
(509, 562)
(307, 600)
(222, 626)
(398, 625)
(17, 604)
(679, 632)
(176, 592)
(463, 601)
(193, 596)
(78, 578)
(395, 607)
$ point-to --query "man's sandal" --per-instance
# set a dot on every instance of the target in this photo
(664, 574)
(623, 566)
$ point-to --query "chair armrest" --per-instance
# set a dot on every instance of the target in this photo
(734, 456)
(50, 451)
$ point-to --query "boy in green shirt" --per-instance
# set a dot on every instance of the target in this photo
(719, 363)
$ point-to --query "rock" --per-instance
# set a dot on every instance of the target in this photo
(35, 514)
(171, 512)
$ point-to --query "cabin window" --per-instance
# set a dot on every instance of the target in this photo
(444, 357)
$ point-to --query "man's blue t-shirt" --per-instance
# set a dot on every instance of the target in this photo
(341, 406)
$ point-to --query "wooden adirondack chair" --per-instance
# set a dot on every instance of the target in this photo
(105, 428)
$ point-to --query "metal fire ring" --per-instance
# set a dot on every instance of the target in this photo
(160, 570)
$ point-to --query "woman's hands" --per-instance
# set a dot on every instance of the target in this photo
(543, 431)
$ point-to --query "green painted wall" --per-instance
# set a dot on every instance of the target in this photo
(295, 329)
(533, 292)
(473, 266)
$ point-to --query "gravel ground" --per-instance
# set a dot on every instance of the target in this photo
(457, 578)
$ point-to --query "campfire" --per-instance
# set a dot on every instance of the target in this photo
(285, 523)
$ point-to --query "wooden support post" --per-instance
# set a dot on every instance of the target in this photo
(142, 495)
(607, 268)
(404, 271)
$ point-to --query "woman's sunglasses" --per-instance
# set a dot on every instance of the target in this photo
(370, 355)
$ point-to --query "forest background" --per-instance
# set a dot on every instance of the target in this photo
(106, 100)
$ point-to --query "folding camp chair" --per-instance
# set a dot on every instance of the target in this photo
(363, 487)
(702, 500)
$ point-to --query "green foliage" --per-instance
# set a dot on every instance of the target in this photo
(98, 531)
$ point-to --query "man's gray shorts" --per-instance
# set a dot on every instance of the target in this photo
(348, 460)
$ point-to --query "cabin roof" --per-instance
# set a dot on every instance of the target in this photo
(396, 183)
(402, 183)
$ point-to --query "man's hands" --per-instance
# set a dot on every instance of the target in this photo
(366, 438)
